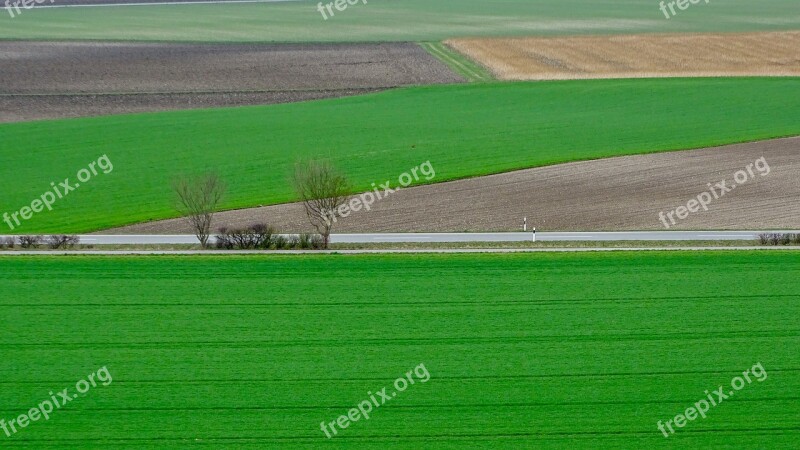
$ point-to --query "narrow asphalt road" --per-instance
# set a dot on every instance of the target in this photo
(374, 251)
(100, 239)
(107, 3)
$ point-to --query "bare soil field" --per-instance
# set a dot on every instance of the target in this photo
(625, 193)
(54, 79)
(637, 56)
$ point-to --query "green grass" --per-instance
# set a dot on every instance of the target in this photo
(464, 130)
(524, 351)
(458, 63)
(391, 20)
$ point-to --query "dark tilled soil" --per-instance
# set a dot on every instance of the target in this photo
(625, 193)
(20, 108)
(53, 79)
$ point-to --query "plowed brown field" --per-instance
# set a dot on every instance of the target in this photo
(637, 56)
(50, 80)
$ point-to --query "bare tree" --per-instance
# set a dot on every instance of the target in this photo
(198, 198)
(58, 241)
(30, 241)
(323, 189)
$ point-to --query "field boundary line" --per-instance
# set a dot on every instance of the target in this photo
(255, 91)
(463, 66)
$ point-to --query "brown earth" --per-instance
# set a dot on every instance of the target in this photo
(625, 193)
(19, 108)
(637, 56)
(70, 79)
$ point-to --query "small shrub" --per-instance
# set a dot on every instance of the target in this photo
(30, 241)
(8, 242)
(222, 241)
(317, 243)
(244, 238)
(304, 241)
(62, 241)
(257, 236)
(280, 242)
(263, 234)
(778, 238)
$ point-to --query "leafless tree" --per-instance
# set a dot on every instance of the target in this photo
(30, 241)
(198, 198)
(58, 241)
(323, 189)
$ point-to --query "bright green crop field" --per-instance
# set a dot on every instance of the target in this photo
(463, 130)
(522, 351)
(391, 20)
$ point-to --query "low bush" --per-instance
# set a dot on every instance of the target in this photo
(778, 238)
(264, 237)
(256, 236)
(61, 241)
(8, 242)
(280, 243)
(304, 241)
(316, 242)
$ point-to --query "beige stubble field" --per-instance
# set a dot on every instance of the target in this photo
(637, 56)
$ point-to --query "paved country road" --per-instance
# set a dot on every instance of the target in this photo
(388, 251)
(100, 3)
(100, 239)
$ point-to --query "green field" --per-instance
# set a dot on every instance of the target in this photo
(385, 20)
(523, 351)
(463, 130)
